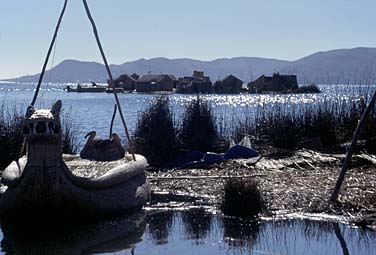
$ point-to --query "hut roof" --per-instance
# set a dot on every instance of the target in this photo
(124, 76)
(156, 77)
(232, 77)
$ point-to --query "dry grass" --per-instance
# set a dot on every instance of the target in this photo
(299, 183)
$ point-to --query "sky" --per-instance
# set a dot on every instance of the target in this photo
(200, 29)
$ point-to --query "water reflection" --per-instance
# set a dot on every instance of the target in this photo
(160, 224)
(240, 233)
(314, 237)
(118, 234)
(196, 227)
(340, 238)
(193, 232)
(213, 234)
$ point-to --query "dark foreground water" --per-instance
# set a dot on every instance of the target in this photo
(195, 232)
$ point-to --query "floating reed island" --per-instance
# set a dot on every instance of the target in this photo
(303, 149)
(199, 83)
(299, 185)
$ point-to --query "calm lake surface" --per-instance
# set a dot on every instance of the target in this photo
(182, 232)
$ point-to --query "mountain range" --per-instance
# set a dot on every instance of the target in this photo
(335, 66)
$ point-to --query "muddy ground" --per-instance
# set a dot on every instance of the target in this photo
(300, 182)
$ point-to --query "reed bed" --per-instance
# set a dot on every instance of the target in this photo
(198, 130)
(160, 136)
(71, 141)
(11, 136)
(155, 134)
(329, 123)
(280, 125)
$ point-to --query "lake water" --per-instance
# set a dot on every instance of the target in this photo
(93, 111)
(183, 232)
(197, 232)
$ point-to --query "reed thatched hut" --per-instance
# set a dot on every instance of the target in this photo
(125, 81)
(156, 82)
(229, 85)
(275, 83)
(197, 83)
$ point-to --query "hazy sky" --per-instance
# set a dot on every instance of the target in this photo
(201, 29)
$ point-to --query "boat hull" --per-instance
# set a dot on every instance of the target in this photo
(87, 89)
(54, 190)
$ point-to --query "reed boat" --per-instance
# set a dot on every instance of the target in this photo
(86, 89)
(46, 182)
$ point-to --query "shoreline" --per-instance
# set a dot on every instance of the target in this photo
(296, 186)
(292, 187)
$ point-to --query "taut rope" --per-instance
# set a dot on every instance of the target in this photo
(44, 70)
(49, 53)
(111, 80)
(109, 76)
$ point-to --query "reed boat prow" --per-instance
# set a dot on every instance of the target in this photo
(45, 181)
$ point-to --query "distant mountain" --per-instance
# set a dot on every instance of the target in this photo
(243, 67)
(335, 66)
(70, 71)
(357, 65)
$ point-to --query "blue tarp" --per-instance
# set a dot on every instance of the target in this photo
(239, 151)
(193, 158)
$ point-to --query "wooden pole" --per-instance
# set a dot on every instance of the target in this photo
(346, 163)
(111, 80)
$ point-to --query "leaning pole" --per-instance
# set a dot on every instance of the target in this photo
(345, 166)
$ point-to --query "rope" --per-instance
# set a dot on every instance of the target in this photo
(111, 80)
(22, 149)
(51, 70)
(48, 54)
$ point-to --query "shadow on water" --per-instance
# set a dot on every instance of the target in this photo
(108, 236)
